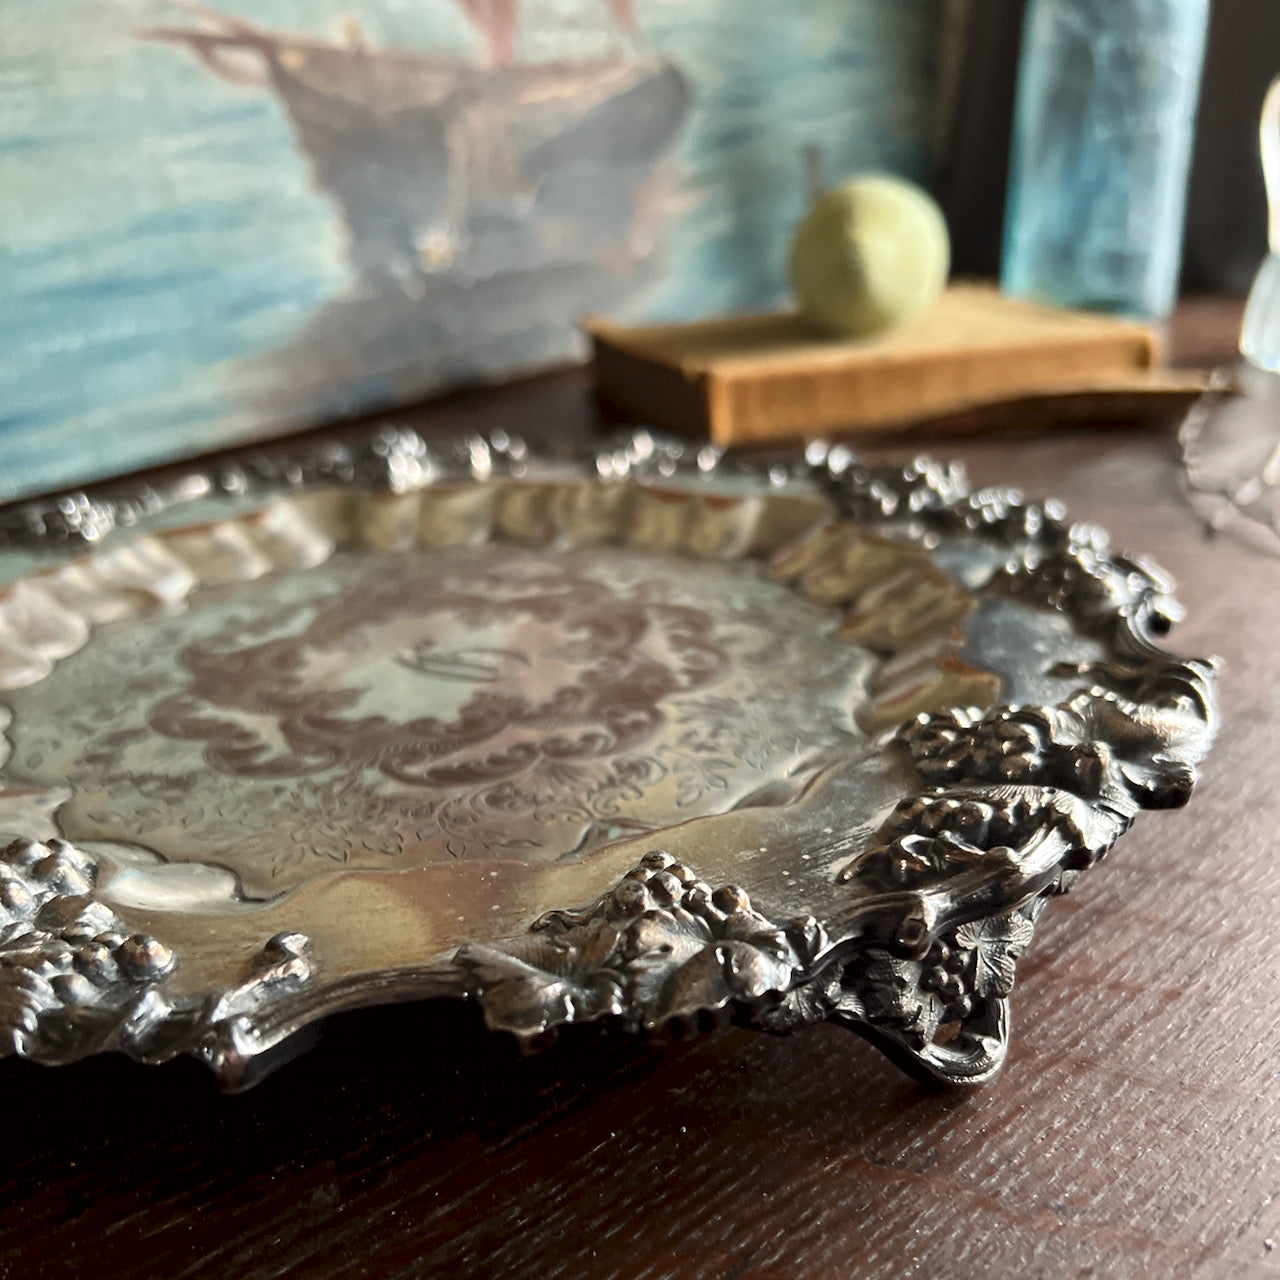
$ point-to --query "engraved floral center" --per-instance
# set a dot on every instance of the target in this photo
(408, 707)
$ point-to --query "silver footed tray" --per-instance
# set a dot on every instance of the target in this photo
(652, 736)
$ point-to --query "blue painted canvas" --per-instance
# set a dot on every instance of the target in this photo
(222, 223)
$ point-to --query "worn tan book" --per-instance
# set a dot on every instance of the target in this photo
(751, 379)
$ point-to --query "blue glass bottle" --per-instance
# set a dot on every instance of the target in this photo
(1102, 138)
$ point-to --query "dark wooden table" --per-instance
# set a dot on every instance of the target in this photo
(1134, 1133)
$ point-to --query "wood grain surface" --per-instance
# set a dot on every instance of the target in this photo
(1134, 1133)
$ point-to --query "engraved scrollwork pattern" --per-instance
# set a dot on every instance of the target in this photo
(1015, 803)
(1010, 805)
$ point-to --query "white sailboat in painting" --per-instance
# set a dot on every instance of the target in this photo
(470, 169)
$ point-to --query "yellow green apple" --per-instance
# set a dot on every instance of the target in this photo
(869, 254)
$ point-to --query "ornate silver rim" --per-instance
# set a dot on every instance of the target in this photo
(1013, 803)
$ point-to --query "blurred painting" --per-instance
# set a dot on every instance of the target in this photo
(221, 223)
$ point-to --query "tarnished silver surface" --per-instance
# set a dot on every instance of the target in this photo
(651, 736)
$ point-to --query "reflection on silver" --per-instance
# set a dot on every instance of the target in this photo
(642, 736)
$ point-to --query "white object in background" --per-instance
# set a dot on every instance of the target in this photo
(1260, 336)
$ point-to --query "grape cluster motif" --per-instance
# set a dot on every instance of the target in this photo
(61, 953)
